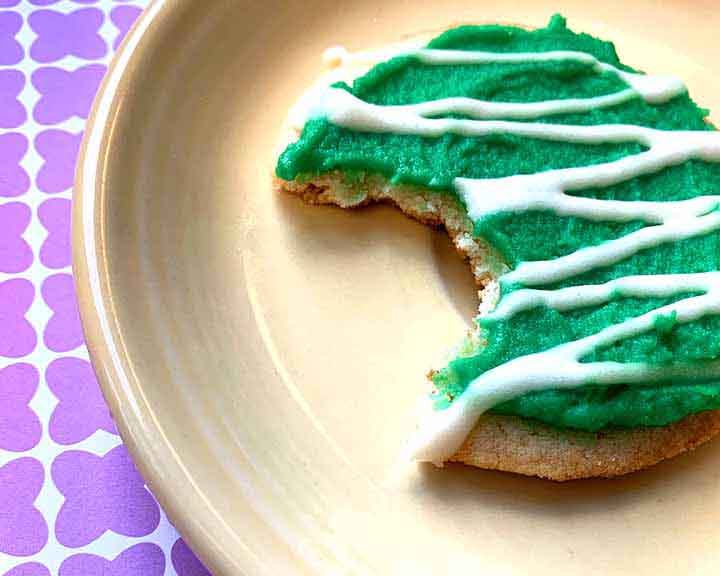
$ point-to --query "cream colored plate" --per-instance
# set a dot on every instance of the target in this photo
(263, 358)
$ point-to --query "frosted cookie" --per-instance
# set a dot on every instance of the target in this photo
(585, 196)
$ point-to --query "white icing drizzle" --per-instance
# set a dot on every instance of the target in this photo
(562, 299)
(585, 259)
(654, 89)
(343, 109)
(486, 110)
(560, 367)
(484, 197)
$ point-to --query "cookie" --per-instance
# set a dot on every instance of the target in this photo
(582, 193)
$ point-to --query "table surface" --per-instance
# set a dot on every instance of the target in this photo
(71, 501)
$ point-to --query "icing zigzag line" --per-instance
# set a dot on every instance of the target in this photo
(654, 89)
(574, 297)
(583, 260)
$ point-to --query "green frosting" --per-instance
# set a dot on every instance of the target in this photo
(540, 235)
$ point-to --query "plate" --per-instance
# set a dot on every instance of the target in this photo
(263, 359)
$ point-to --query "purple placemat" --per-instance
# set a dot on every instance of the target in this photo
(71, 501)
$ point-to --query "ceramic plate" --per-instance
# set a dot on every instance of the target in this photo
(263, 358)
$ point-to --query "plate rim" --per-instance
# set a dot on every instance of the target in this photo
(150, 450)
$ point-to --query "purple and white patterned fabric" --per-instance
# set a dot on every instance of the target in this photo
(71, 500)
